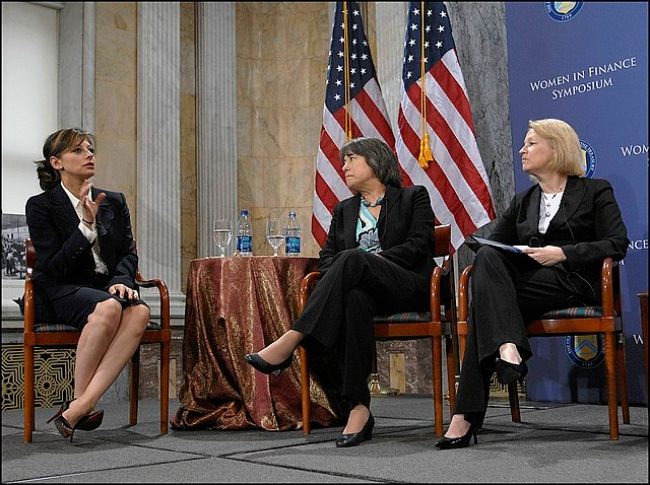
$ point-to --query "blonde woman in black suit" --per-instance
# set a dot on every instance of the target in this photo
(85, 271)
(377, 259)
(568, 224)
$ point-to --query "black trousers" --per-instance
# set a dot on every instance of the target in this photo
(507, 291)
(339, 313)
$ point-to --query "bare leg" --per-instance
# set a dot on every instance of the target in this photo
(458, 426)
(132, 325)
(357, 419)
(280, 350)
(95, 338)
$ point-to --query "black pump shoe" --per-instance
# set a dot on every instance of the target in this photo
(354, 439)
(507, 372)
(263, 366)
(459, 442)
(88, 422)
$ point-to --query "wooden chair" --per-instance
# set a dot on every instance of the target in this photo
(602, 320)
(37, 334)
(432, 324)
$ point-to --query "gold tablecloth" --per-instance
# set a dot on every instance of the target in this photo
(235, 306)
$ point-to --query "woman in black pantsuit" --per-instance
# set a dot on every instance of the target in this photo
(85, 271)
(568, 225)
(377, 259)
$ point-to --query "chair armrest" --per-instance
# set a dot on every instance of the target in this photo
(28, 303)
(608, 286)
(164, 297)
(434, 292)
(306, 286)
(463, 294)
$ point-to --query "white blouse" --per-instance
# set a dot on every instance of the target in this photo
(549, 204)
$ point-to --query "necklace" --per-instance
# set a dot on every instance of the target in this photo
(549, 199)
(379, 201)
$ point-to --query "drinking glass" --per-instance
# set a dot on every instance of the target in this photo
(274, 234)
(222, 233)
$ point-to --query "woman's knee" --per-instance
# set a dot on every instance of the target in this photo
(139, 316)
(106, 313)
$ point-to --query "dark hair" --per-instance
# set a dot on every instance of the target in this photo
(378, 155)
(56, 145)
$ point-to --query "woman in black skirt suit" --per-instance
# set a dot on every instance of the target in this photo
(85, 271)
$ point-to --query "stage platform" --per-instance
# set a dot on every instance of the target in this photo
(554, 443)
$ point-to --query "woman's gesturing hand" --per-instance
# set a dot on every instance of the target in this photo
(90, 207)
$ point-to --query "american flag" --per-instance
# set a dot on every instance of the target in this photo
(448, 163)
(358, 111)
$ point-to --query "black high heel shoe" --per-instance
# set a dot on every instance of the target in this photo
(88, 422)
(64, 427)
(354, 439)
(507, 372)
(460, 442)
(64, 407)
(263, 366)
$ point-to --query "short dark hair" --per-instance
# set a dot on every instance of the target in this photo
(56, 145)
(378, 155)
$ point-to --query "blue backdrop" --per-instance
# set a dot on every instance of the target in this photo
(587, 63)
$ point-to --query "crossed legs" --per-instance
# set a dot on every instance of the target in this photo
(338, 317)
(106, 344)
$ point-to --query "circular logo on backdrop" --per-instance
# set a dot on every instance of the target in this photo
(563, 11)
(588, 158)
(585, 351)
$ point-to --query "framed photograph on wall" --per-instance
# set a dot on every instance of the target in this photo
(14, 233)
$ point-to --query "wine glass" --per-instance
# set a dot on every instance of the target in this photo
(274, 234)
(222, 233)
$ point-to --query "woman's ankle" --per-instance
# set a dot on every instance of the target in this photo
(280, 350)
(510, 353)
(458, 427)
(357, 419)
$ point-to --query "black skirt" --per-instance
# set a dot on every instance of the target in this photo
(73, 309)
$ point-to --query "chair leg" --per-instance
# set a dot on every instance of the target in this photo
(610, 369)
(304, 391)
(28, 393)
(134, 383)
(164, 386)
(451, 375)
(514, 403)
(436, 368)
(622, 367)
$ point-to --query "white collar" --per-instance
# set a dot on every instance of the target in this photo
(73, 198)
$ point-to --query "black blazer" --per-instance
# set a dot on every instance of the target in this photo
(405, 229)
(588, 226)
(64, 257)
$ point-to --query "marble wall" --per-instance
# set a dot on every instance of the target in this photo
(281, 63)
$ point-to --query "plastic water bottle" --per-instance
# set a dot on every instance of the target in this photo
(292, 236)
(244, 234)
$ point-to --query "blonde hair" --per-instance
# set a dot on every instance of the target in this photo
(568, 159)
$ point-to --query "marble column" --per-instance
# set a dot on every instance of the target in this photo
(158, 128)
(216, 119)
(77, 65)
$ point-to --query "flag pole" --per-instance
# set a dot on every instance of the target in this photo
(425, 151)
(346, 67)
